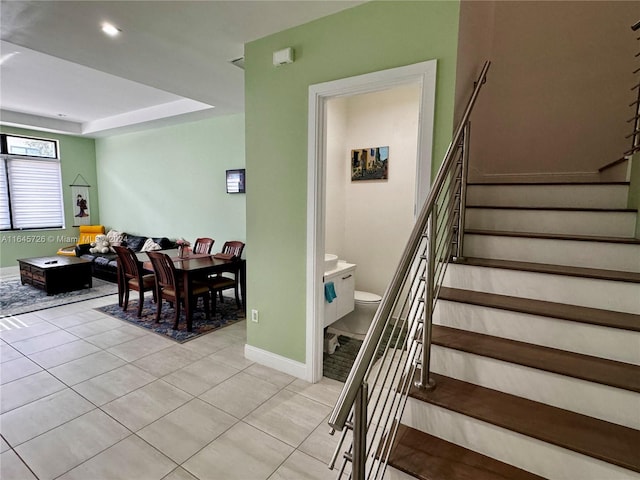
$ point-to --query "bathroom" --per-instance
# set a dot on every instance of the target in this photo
(367, 222)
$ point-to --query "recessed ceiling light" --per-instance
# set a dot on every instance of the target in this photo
(110, 30)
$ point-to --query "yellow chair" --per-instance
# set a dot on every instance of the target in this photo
(87, 234)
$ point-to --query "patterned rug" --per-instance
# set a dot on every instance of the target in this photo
(16, 298)
(226, 314)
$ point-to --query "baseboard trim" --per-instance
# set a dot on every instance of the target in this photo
(275, 361)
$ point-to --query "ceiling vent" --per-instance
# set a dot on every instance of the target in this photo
(238, 62)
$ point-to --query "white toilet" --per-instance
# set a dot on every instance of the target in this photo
(357, 323)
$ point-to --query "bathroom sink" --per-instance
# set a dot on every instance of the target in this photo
(330, 262)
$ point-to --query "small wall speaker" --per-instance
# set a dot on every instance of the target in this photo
(283, 56)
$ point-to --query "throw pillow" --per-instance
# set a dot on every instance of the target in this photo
(134, 242)
(115, 239)
(150, 245)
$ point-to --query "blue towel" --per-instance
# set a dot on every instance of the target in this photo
(329, 292)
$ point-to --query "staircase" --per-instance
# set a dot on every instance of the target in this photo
(535, 342)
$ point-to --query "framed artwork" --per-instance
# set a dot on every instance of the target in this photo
(370, 164)
(80, 201)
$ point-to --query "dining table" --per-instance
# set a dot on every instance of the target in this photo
(194, 266)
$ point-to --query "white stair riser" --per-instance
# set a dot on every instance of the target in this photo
(558, 196)
(549, 461)
(587, 254)
(612, 343)
(587, 292)
(605, 224)
(581, 396)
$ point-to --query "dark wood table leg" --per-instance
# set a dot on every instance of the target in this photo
(188, 295)
(243, 285)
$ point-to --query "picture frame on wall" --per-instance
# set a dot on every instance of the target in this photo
(370, 164)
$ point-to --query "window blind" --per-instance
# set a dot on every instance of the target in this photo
(5, 218)
(36, 194)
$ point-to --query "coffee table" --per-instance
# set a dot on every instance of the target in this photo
(56, 274)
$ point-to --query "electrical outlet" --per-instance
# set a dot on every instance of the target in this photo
(254, 315)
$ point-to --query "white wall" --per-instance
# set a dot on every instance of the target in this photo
(369, 222)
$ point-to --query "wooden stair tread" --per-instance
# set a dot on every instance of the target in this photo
(596, 438)
(585, 367)
(556, 236)
(508, 184)
(594, 273)
(555, 209)
(430, 458)
(575, 313)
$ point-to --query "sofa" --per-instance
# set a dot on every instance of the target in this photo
(105, 266)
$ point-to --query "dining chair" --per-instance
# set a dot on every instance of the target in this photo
(203, 245)
(169, 286)
(218, 283)
(133, 278)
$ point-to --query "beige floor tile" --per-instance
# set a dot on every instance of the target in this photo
(232, 356)
(64, 353)
(94, 327)
(4, 446)
(200, 376)
(146, 405)
(111, 385)
(326, 391)
(35, 418)
(129, 459)
(18, 368)
(300, 466)
(71, 320)
(28, 389)
(65, 447)
(257, 458)
(183, 432)
(12, 468)
(288, 416)
(321, 445)
(168, 360)
(114, 337)
(141, 347)
(44, 342)
(270, 375)
(211, 343)
(240, 394)
(15, 329)
(179, 474)
(87, 367)
(7, 352)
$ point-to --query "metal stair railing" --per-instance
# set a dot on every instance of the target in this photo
(397, 346)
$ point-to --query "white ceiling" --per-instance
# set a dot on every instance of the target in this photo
(170, 63)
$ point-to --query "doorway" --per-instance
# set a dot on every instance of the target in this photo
(423, 75)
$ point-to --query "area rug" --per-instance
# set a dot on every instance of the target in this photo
(16, 298)
(338, 365)
(226, 314)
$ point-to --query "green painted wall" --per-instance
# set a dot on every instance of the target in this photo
(77, 157)
(170, 181)
(371, 37)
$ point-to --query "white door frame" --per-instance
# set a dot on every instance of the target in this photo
(423, 74)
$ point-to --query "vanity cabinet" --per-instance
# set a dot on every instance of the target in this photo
(344, 281)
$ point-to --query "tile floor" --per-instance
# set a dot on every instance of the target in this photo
(85, 396)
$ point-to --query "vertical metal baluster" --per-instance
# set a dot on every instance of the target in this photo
(425, 381)
(463, 189)
(360, 433)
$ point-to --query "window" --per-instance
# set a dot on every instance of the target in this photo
(30, 183)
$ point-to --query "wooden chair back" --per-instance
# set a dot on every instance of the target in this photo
(165, 272)
(203, 245)
(233, 247)
(128, 263)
